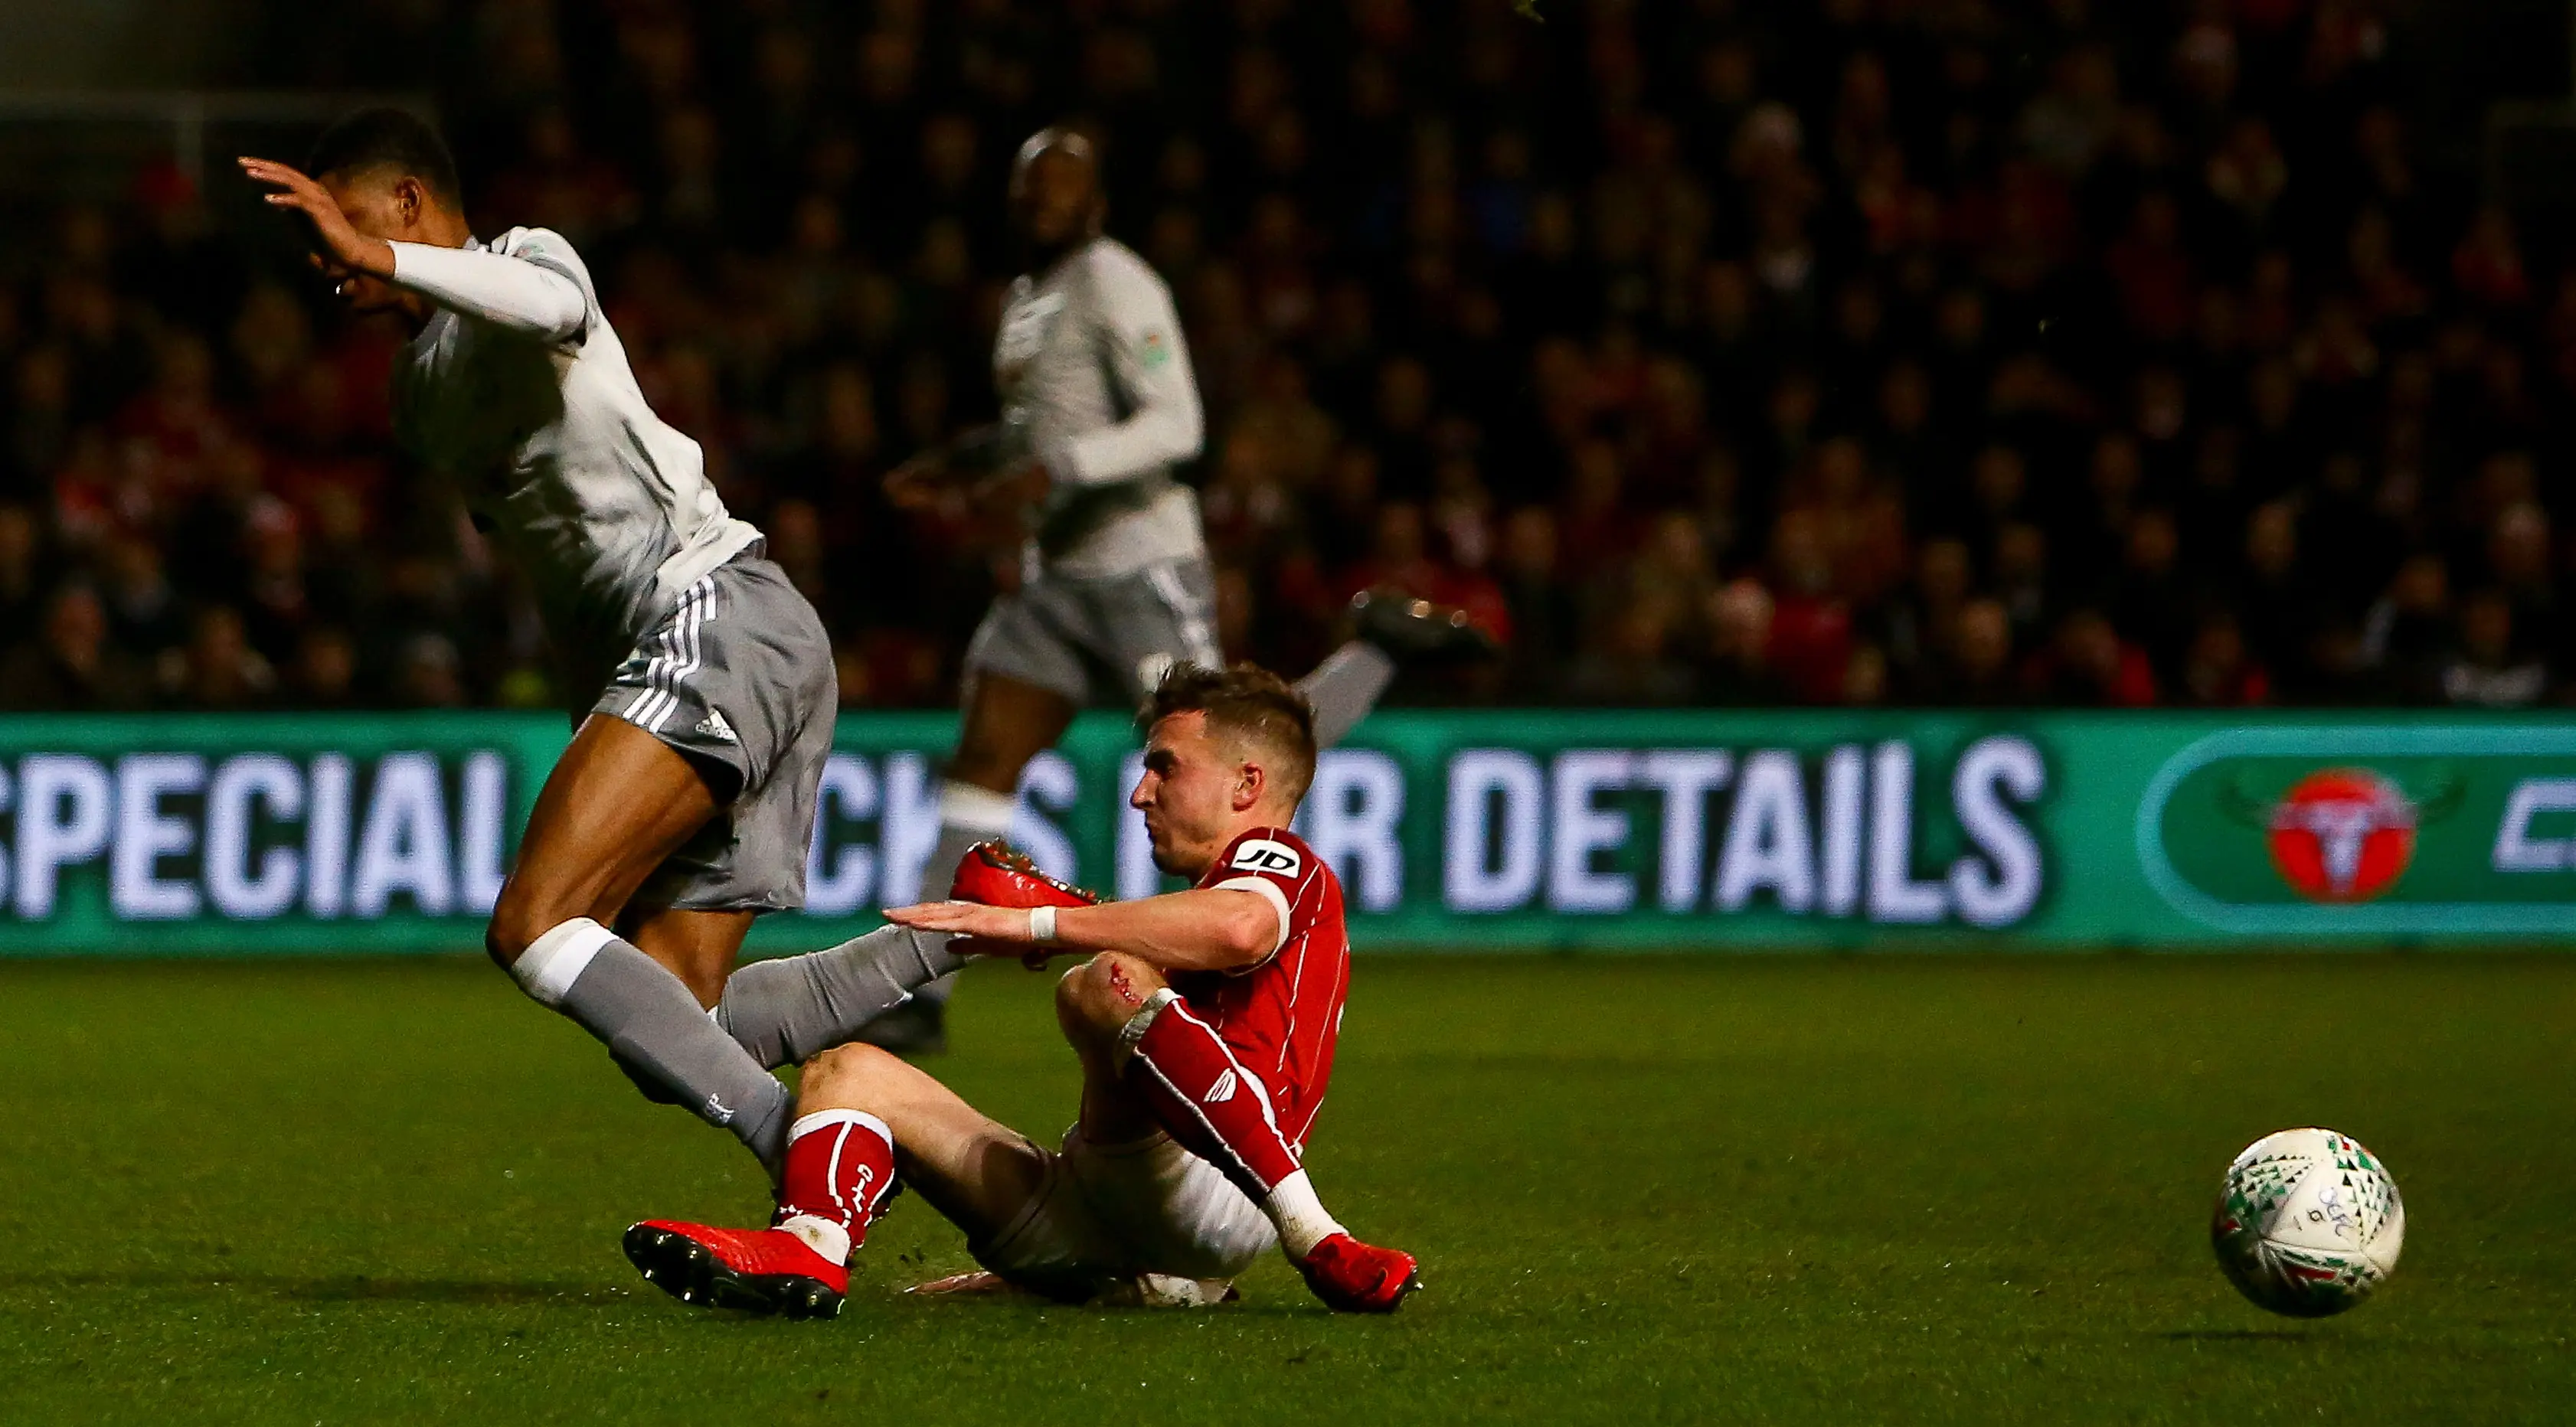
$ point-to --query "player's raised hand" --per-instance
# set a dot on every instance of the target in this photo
(970, 919)
(340, 248)
(984, 931)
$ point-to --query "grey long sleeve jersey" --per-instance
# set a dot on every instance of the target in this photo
(1095, 375)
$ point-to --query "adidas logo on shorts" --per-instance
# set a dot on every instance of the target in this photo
(714, 726)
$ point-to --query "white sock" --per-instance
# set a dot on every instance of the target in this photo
(967, 815)
(1300, 1216)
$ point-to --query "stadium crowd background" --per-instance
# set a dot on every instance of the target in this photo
(1715, 353)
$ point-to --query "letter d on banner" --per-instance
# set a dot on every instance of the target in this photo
(1481, 872)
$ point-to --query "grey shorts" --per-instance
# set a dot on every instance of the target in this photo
(1101, 640)
(738, 678)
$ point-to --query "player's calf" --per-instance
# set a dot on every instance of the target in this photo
(655, 1028)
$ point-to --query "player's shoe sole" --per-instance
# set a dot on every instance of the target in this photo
(1411, 630)
(690, 1272)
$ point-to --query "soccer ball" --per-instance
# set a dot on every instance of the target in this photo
(2308, 1223)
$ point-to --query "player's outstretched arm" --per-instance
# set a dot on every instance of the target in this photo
(512, 293)
(1203, 929)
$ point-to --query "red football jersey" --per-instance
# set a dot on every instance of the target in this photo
(1281, 1016)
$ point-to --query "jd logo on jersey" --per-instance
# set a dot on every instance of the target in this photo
(2392, 830)
(1264, 855)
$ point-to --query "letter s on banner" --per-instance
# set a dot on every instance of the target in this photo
(1992, 767)
(1050, 781)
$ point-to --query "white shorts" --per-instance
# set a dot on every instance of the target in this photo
(1109, 1215)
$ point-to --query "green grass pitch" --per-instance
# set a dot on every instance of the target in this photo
(1645, 1190)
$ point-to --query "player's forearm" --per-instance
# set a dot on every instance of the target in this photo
(1154, 438)
(507, 292)
(1206, 929)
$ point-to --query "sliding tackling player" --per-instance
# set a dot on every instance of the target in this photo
(1099, 411)
(685, 803)
(1205, 1022)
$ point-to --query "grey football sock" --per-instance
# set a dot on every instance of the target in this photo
(1345, 687)
(658, 1031)
(787, 1010)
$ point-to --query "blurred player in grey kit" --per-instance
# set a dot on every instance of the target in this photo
(1099, 412)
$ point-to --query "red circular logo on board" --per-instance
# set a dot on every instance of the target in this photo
(2342, 835)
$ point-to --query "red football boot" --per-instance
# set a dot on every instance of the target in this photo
(756, 1270)
(997, 874)
(1352, 1277)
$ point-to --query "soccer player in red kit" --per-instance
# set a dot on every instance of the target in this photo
(1205, 1021)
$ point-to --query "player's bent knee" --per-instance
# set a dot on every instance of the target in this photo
(844, 1074)
(515, 926)
(523, 914)
(1107, 991)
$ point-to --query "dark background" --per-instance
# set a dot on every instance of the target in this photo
(1712, 352)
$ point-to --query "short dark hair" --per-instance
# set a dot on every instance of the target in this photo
(386, 138)
(1247, 702)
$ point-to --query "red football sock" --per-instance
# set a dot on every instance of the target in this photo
(839, 1173)
(1206, 1100)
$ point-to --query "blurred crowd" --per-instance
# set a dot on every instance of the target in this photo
(1711, 352)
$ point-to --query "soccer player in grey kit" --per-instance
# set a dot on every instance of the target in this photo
(1099, 410)
(705, 693)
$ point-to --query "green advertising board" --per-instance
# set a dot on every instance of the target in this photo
(1451, 831)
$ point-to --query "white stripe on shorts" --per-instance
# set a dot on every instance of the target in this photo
(692, 658)
(657, 668)
(679, 658)
(1198, 641)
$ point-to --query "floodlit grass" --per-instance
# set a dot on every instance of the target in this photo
(1666, 1189)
